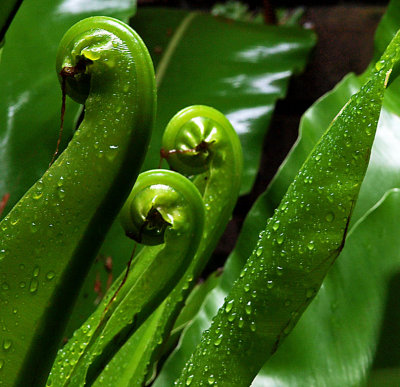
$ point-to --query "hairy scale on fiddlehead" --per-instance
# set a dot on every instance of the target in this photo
(51, 236)
(298, 246)
(198, 140)
(164, 210)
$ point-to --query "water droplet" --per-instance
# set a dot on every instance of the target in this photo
(189, 380)
(14, 221)
(275, 226)
(330, 216)
(22, 284)
(318, 156)
(1, 364)
(279, 270)
(270, 284)
(218, 340)
(33, 227)
(33, 286)
(253, 326)
(280, 239)
(368, 129)
(2, 254)
(247, 308)
(241, 322)
(5, 286)
(50, 275)
(36, 271)
(310, 245)
(379, 64)
(259, 251)
(231, 317)
(7, 344)
(61, 193)
(229, 306)
(39, 190)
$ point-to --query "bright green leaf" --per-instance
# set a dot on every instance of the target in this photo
(187, 49)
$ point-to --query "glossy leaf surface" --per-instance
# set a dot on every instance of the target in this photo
(297, 247)
(187, 49)
(219, 171)
(240, 69)
(48, 239)
(290, 368)
(30, 95)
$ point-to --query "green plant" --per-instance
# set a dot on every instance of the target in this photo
(54, 221)
(241, 321)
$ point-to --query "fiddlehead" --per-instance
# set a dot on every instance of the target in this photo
(51, 236)
(163, 208)
(198, 140)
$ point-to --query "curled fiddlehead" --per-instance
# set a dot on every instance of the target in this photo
(49, 239)
(198, 140)
(165, 211)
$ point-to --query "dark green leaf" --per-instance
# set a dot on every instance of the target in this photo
(8, 9)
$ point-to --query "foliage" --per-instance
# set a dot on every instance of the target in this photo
(291, 258)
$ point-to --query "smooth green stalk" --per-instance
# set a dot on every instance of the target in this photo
(197, 140)
(163, 208)
(49, 239)
(295, 251)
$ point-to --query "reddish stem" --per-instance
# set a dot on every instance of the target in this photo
(3, 202)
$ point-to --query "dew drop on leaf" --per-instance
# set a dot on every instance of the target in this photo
(229, 306)
(7, 344)
(330, 216)
(33, 286)
(248, 308)
(280, 239)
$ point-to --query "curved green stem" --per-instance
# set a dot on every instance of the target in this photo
(50, 237)
(198, 140)
(165, 208)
